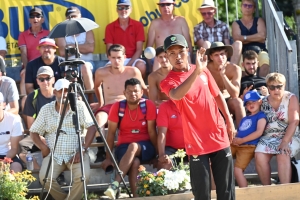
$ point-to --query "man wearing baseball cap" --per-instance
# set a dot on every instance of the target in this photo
(29, 40)
(46, 125)
(121, 31)
(172, 24)
(211, 30)
(47, 48)
(198, 99)
(86, 46)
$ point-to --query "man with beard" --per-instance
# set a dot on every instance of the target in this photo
(165, 25)
(157, 76)
(129, 33)
(227, 76)
(66, 154)
(137, 135)
(207, 139)
(47, 50)
(251, 80)
(110, 78)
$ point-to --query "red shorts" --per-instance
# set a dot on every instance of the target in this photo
(105, 108)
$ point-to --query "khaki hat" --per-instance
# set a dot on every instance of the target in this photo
(207, 4)
(166, 1)
(45, 70)
(215, 45)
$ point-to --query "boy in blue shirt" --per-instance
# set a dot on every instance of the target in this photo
(250, 130)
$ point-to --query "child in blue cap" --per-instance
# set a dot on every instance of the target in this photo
(250, 130)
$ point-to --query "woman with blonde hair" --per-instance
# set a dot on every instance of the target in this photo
(281, 136)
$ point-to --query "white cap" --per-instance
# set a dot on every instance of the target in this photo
(207, 4)
(61, 83)
(1, 98)
(3, 44)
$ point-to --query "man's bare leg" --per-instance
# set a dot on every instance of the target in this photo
(236, 107)
(87, 76)
(264, 70)
(142, 67)
(133, 173)
(101, 118)
(22, 82)
(237, 52)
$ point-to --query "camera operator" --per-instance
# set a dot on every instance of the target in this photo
(251, 80)
(66, 154)
(86, 46)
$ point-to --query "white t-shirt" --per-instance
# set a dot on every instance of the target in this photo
(10, 126)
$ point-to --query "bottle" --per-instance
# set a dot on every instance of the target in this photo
(29, 161)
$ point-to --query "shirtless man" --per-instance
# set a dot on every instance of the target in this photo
(157, 76)
(112, 78)
(171, 25)
(227, 77)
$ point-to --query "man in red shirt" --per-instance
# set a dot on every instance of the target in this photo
(137, 135)
(129, 33)
(170, 133)
(198, 99)
(29, 40)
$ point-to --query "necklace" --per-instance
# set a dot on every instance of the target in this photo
(135, 114)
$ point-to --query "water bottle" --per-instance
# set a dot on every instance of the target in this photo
(29, 161)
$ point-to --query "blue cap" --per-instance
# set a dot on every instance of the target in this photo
(124, 2)
(251, 96)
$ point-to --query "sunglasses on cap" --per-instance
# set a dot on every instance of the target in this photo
(165, 4)
(207, 13)
(35, 16)
(45, 79)
(123, 7)
(273, 87)
(249, 6)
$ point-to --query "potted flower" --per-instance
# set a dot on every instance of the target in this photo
(14, 185)
(164, 181)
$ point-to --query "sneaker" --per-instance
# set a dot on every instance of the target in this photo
(61, 180)
(101, 155)
(113, 190)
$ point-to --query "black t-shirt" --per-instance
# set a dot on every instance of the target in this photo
(41, 100)
(256, 81)
(33, 66)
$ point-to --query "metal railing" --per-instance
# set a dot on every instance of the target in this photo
(282, 52)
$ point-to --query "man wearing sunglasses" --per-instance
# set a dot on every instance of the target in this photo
(47, 57)
(212, 30)
(252, 32)
(33, 104)
(86, 45)
(129, 33)
(165, 25)
(29, 40)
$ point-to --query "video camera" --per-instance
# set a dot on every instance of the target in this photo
(70, 70)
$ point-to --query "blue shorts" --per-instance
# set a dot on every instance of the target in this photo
(147, 152)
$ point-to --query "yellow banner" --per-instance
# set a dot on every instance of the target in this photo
(14, 16)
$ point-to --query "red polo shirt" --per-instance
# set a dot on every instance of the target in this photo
(31, 41)
(134, 33)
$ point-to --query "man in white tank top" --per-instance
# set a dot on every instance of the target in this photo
(86, 47)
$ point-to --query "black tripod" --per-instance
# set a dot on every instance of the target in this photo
(72, 97)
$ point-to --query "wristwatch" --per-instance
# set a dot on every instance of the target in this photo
(85, 149)
(245, 37)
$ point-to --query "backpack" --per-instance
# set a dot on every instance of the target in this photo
(122, 107)
(34, 101)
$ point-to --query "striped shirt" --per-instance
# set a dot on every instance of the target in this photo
(46, 125)
(218, 33)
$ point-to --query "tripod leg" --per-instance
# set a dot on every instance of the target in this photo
(104, 140)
